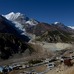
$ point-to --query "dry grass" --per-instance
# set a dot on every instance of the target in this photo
(62, 70)
(40, 68)
(14, 72)
(70, 71)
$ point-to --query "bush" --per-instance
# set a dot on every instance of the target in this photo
(34, 61)
(1, 73)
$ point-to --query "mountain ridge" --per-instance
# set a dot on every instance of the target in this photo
(52, 31)
(14, 16)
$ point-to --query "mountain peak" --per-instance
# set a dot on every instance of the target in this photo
(56, 22)
(32, 22)
(13, 16)
(11, 13)
(72, 27)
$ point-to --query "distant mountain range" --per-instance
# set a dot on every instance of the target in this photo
(23, 19)
(53, 32)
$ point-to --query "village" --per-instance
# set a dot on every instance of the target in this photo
(38, 66)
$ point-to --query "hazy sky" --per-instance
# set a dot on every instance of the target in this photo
(42, 10)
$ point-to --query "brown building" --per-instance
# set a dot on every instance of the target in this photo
(68, 62)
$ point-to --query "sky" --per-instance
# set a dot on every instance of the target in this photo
(48, 11)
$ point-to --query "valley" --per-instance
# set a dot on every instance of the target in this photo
(28, 46)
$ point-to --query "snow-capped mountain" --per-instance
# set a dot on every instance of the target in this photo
(32, 22)
(56, 23)
(16, 16)
(63, 27)
(27, 25)
(7, 26)
(72, 27)
(20, 18)
(21, 21)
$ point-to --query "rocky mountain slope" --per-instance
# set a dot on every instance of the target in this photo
(7, 26)
(54, 32)
(12, 40)
(10, 45)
